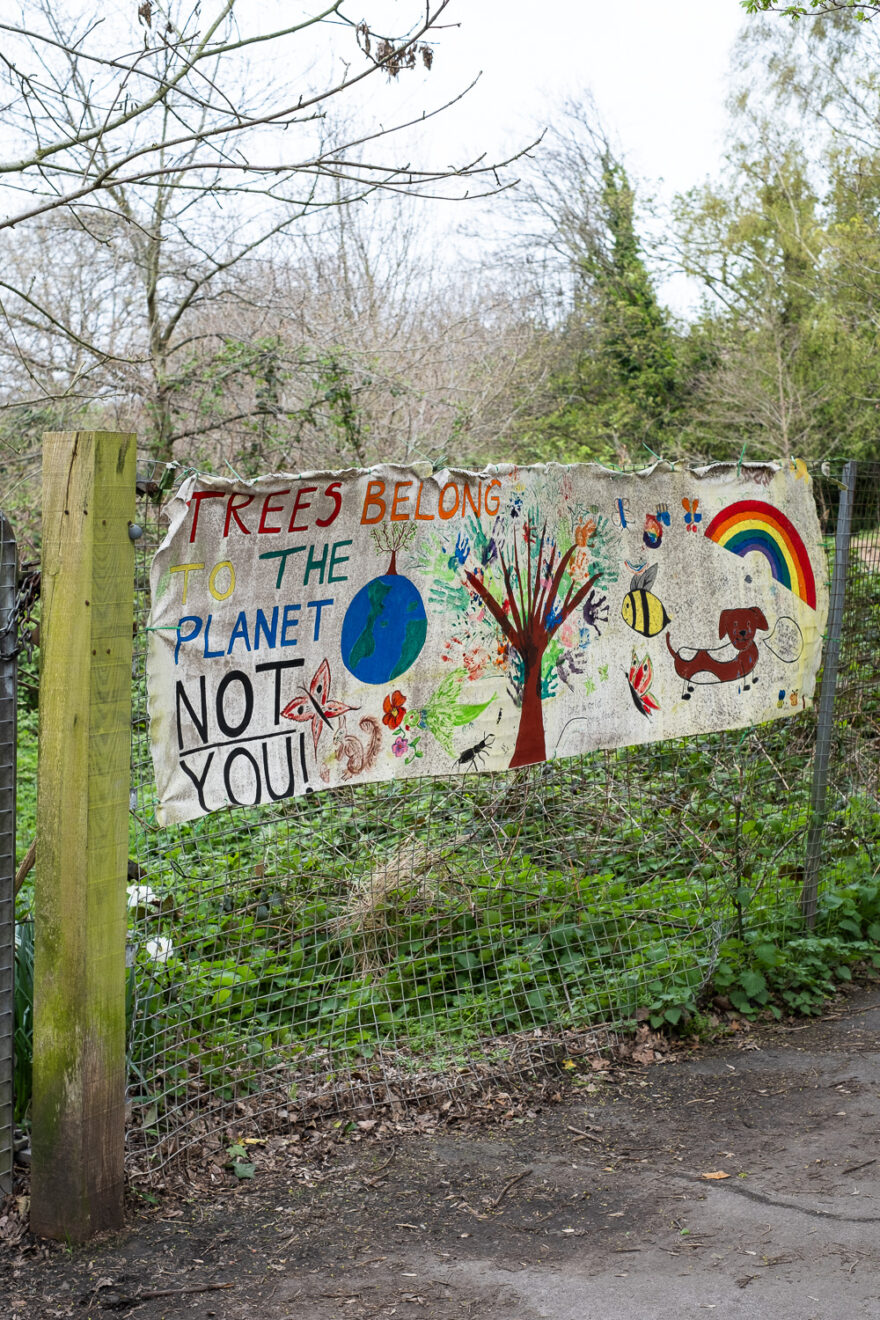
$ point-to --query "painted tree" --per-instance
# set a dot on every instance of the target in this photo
(541, 599)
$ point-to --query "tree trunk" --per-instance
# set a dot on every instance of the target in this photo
(162, 447)
(530, 749)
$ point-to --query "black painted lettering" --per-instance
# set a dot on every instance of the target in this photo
(290, 790)
(199, 780)
(200, 718)
(278, 665)
(239, 753)
(234, 676)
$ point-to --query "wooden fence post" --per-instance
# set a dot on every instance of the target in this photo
(78, 1109)
(8, 671)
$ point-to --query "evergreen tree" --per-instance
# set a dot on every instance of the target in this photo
(615, 385)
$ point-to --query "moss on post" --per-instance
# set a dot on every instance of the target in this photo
(82, 833)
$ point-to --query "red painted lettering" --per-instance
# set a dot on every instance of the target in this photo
(195, 501)
(331, 492)
(299, 505)
(232, 512)
(271, 508)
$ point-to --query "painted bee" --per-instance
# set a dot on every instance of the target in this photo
(642, 610)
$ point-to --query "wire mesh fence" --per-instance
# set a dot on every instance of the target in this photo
(857, 705)
(402, 944)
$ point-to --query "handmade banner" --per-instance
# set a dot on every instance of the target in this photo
(339, 627)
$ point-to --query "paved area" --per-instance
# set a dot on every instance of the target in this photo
(740, 1180)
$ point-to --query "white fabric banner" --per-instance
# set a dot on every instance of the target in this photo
(338, 627)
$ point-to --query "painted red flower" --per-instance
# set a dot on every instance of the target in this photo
(394, 707)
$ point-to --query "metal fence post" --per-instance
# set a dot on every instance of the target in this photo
(8, 639)
(82, 833)
(825, 721)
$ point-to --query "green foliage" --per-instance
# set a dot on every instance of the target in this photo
(859, 9)
(236, 980)
(435, 917)
(446, 711)
(243, 386)
(238, 1161)
(354, 939)
(335, 398)
(786, 345)
(523, 954)
(26, 782)
(780, 357)
(618, 383)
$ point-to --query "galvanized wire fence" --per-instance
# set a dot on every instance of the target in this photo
(401, 944)
(857, 706)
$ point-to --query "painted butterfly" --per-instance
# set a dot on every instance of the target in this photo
(315, 706)
(640, 677)
(691, 517)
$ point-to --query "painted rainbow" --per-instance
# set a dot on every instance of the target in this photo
(754, 525)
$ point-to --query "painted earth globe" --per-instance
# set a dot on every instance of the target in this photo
(383, 630)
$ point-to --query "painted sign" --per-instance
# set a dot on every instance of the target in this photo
(335, 628)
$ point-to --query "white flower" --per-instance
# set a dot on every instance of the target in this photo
(160, 949)
(141, 896)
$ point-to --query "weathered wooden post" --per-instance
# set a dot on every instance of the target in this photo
(8, 663)
(82, 833)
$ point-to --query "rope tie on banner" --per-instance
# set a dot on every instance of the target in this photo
(740, 463)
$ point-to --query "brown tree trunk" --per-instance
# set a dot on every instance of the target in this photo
(525, 630)
(530, 748)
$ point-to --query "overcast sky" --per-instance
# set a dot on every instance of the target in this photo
(658, 74)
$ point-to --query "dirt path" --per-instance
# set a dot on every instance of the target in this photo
(596, 1207)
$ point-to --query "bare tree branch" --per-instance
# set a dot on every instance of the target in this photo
(169, 164)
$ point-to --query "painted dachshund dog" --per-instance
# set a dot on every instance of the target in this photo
(739, 627)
